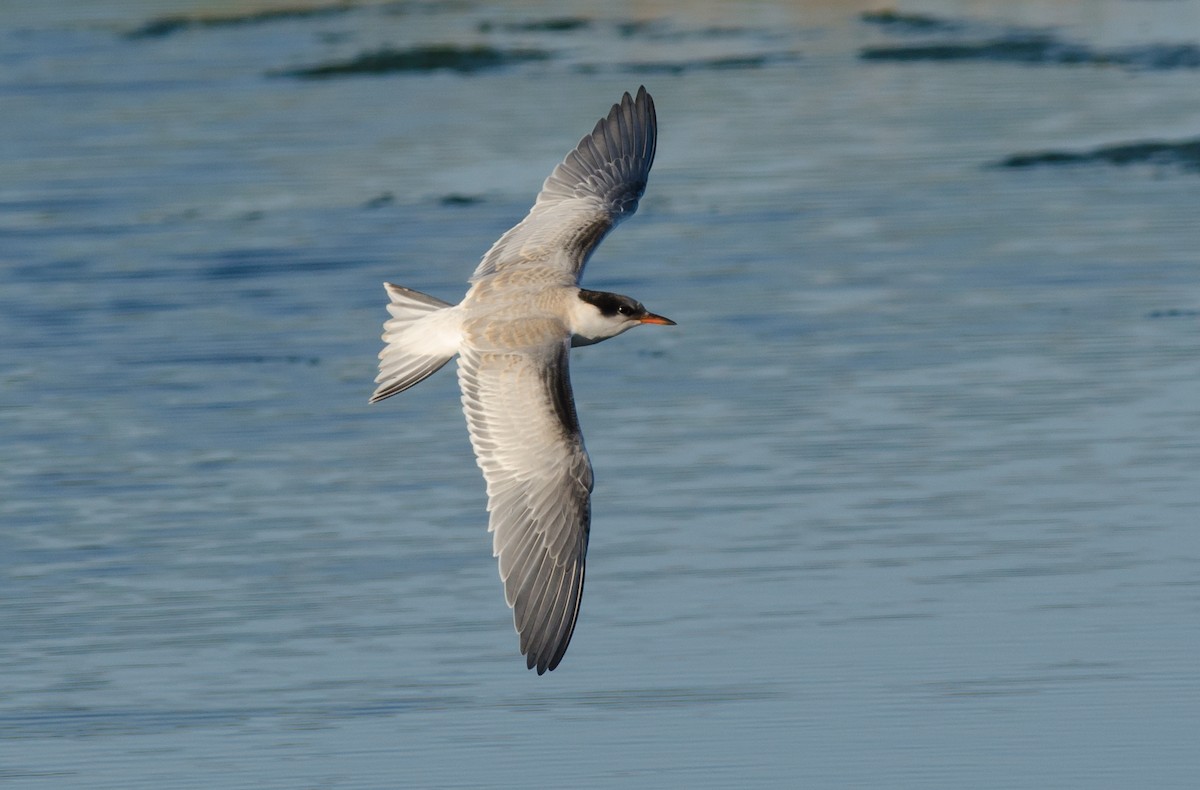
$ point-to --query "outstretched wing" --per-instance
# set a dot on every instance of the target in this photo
(595, 187)
(526, 438)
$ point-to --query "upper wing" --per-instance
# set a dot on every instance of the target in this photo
(526, 438)
(589, 192)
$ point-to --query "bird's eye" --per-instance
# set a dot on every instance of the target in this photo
(625, 310)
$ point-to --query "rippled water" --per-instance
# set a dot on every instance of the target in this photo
(908, 499)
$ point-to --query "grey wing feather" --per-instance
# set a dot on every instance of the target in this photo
(596, 186)
(407, 373)
(539, 480)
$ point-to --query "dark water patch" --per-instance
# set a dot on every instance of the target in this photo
(662, 30)
(1184, 154)
(1174, 312)
(170, 24)
(433, 57)
(1040, 49)
(565, 24)
(31, 773)
(732, 63)
(413, 7)
(460, 200)
(899, 22)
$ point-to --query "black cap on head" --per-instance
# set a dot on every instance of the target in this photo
(610, 304)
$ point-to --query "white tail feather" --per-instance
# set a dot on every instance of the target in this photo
(421, 336)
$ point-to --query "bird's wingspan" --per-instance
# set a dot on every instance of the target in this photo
(526, 438)
(596, 186)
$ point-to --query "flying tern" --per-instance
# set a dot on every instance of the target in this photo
(512, 333)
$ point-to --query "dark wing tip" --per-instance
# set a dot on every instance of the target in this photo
(611, 164)
(545, 640)
(626, 116)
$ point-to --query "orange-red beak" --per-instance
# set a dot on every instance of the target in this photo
(651, 318)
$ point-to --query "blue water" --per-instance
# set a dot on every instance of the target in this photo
(908, 499)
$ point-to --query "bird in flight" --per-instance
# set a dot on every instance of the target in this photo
(512, 333)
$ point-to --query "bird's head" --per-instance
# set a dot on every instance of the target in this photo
(601, 315)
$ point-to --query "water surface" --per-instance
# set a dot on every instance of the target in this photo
(908, 499)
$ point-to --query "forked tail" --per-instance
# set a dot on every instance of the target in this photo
(421, 336)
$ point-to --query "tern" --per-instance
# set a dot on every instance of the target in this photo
(512, 333)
